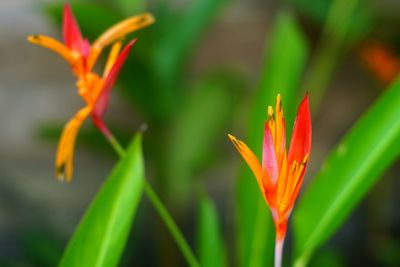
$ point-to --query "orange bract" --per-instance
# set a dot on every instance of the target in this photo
(281, 174)
(381, 61)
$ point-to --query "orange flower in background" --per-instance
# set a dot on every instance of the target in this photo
(281, 174)
(95, 89)
(381, 61)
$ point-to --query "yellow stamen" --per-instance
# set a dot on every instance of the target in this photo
(89, 87)
(112, 57)
(117, 31)
(65, 152)
(70, 56)
(293, 186)
(279, 124)
(279, 130)
(271, 122)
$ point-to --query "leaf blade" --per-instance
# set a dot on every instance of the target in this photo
(106, 223)
(350, 170)
(211, 249)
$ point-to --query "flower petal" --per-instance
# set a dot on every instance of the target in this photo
(71, 32)
(66, 145)
(101, 103)
(250, 159)
(118, 31)
(55, 46)
(300, 144)
(269, 162)
(112, 57)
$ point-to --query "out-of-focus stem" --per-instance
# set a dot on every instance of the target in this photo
(162, 211)
(279, 251)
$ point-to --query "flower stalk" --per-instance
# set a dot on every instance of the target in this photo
(280, 173)
(161, 210)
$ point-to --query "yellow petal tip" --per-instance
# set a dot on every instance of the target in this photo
(33, 38)
(231, 137)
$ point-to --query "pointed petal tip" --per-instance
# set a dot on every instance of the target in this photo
(131, 43)
(62, 178)
(60, 175)
(149, 17)
(33, 38)
(71, 32)
(300, 143)
(232, 138)
(306, 97)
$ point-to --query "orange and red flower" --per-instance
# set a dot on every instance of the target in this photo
(93, 88)
(281, 174)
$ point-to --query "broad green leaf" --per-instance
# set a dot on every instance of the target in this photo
(211, 249)
(100, 238)
(200, 123)
(285, 60)
(348, 173)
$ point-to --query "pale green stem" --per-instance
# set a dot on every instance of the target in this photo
(162, 211)
(278, 251)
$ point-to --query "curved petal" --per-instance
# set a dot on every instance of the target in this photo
(300, 143)
(118, 31)
(54, 45)
(66, 145)
(250, 159)
(71, 32)
(101, 103)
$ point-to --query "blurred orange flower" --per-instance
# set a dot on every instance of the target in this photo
(381, 61)
(93, 88)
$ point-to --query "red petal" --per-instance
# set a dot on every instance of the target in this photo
(71, 32)
(102, 100)
(300, 144)
(269, 161)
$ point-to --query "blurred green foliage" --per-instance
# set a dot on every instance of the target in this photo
(210, 245)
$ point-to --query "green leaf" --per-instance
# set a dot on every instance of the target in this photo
(348, 173)
(102, 233)
(201, 121)
(287, 52)
(210, 247)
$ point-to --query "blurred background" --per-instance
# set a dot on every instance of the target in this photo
(191, 78)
